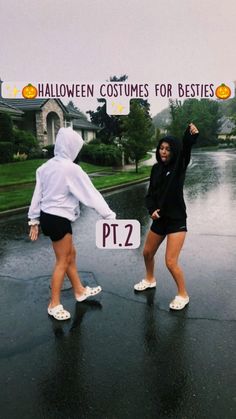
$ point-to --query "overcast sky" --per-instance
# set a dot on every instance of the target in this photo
(90, 40)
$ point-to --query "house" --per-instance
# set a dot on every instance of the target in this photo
(16, 114)
(80, 123)
(226, 128)
(44, 117)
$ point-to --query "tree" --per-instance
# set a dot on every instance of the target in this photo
(73, 108)
(228, 107)
(157, 135)
(110, 126)
(6, 138)
(137, 131)
(232, 115)
(203, 113)
(6, 127)
(24, 141)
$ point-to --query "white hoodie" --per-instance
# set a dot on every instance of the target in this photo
(62, 184)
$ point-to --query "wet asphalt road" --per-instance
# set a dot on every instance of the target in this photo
(125, 355)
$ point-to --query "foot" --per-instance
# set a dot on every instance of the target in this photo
(179, 302)
(88, 292)
(144, 284)
(58, 312)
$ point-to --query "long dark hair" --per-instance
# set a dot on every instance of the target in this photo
(175, 148)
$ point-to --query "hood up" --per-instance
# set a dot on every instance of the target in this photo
(68, 143)
(175, 147)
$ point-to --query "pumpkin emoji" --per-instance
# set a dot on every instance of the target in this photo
(29, 91)
(223, 91)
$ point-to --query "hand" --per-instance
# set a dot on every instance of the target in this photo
(34, 232)
(193, 129)
(155, 214)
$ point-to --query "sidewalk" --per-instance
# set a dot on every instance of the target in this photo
(148, 162)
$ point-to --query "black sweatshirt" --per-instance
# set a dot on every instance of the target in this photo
(165, 190)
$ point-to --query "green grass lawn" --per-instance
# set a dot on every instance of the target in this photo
(13, 174)
(20, 172)
(15, 199)
(24, 172)
(121, 177)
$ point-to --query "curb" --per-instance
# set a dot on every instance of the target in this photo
(13, 211)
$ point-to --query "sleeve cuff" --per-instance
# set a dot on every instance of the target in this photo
(33, 222)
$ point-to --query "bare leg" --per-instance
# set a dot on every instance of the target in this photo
(152, 243)
(174, 245)
(73, 275)
(62, 249)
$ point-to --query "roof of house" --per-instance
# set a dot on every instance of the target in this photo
(227, 125)
(82, 123)
(17, 107)
(80, 120)
(75, 113)
(31, 104)
(5, 107)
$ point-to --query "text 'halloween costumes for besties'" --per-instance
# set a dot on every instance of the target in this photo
(61, 184)
(165, 190)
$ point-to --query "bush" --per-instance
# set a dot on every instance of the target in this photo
(37, 153)
(6, 127)
(20, 157)
(49, 151)
(104, 155)
(95, 141)
(6, 152)
(24, 141)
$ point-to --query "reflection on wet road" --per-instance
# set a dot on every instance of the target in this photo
(211, 193)
(126, 355)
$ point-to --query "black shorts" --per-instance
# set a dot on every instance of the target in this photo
(166, 225)
(54, 226)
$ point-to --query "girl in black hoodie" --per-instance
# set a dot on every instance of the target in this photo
(166, 206)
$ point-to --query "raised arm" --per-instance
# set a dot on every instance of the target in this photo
(189, 139)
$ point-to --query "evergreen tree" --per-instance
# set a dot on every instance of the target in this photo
(232, 114)
(73, 108)
(110, 126)
(137, 131)
(203, 113)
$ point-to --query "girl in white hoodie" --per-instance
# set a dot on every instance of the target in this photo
(60, 186)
